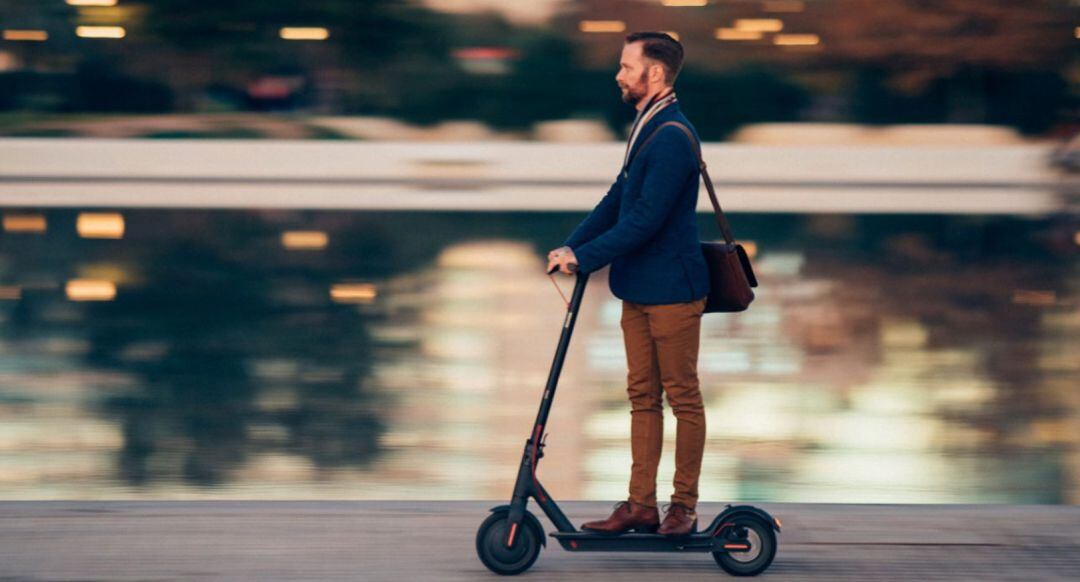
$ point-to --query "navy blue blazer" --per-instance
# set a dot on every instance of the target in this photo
(646, 224)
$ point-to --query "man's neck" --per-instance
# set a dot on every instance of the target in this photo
(658, 93)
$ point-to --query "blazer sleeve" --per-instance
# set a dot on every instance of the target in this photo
(670, 162)
(602, 217)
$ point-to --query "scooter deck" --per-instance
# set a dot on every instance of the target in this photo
(583, 541)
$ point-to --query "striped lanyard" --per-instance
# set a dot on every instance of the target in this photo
(652, 108)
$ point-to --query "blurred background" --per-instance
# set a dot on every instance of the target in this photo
(86, 67)
(281, 250)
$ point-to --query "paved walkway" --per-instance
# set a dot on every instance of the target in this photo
(405, 540)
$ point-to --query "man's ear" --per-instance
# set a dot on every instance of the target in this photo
(656, 73)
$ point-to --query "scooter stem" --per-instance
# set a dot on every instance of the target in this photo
(527, 485)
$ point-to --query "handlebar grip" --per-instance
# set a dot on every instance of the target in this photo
(572, 266)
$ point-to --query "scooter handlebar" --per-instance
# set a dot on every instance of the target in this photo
(572, 266)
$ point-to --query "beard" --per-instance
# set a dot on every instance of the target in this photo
(632, 94)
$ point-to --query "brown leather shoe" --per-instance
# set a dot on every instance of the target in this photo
(627, 516)
(680, 520)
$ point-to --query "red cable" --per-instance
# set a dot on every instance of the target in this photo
(559, 289)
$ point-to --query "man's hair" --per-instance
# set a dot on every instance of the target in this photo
(661, 47)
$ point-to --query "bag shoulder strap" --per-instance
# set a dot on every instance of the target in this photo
(721, 218)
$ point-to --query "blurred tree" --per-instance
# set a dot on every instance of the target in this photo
(966, 61)
(919, 41)
(537, 89)
(234, 41)
(98, 86)
(719, 103)
(369, 30)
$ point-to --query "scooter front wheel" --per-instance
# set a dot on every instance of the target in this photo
(762, 547)
(492, 549)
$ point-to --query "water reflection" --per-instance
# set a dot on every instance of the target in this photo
(887, 359)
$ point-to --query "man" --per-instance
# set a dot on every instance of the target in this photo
(646, 229)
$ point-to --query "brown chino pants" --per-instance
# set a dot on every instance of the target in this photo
(662, 352)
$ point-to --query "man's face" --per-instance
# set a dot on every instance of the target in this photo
(633, 69)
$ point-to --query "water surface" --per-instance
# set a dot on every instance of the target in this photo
(886, 359)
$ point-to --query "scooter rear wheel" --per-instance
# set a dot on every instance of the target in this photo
(492, 550)
(762, 542)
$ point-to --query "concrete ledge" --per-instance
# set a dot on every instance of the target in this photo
(516, 176)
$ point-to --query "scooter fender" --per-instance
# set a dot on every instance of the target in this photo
(736, 510)
(529, 517)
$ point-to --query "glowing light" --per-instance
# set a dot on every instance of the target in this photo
(24, 223)
(733, 34)
(26, 35)
(1034, 297)
(796, 39)
(485, 60)
(759, 24)
(100, 225)
(353, 292)
(90, 290)
(484, 53)
(91, 2)
(100, 31)
(602, 26)
(679, 3)
(304, 240)
(302, 33)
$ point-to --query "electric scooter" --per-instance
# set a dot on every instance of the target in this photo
(742, 538)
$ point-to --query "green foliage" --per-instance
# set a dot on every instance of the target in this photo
(1030, 101)
(719, 103)
(97, 86)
